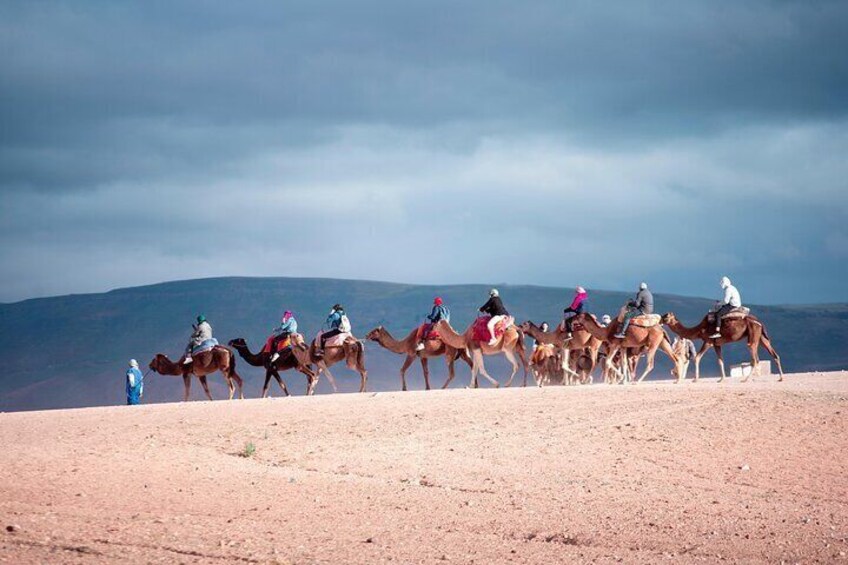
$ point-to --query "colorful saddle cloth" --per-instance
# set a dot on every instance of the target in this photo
(205, 346)
(480, 329)
(431, 334)
(281, 345)
(646, 321)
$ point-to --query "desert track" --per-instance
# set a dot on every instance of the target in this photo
(706, 472)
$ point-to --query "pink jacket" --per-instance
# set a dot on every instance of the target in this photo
(578, 300)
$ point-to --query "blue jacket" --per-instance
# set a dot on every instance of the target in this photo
(334, 320)
(440, 312)
(287, 327)
(135, 392)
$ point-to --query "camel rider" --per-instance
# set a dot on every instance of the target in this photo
(731, 300)
(605, 320)
(688, 347)
(536, 342)
(438, 313)
(288, 326)
(336, 324)
(494, 308)
(576, 308)
(642, 304)
(135, 384)
(202, 332)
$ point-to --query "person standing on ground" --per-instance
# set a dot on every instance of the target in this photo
(135, 384)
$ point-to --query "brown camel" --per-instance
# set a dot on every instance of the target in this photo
(509, 344)
(732, 329)
(652, 338)
(407, 346)
(352, 352)
(291, 358)
(217, 359)
(581, 340)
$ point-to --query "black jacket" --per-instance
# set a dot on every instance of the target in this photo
(494, 307)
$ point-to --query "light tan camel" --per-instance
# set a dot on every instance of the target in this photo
(681, 348)
(218, 359)
(652, 338)
(732, 329)
(581, 340)
(546, 365)
(352, 352)
(407, 346)
(510, 344)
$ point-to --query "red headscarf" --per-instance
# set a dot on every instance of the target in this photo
(437, 301)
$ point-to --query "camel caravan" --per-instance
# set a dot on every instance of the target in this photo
(568, 354)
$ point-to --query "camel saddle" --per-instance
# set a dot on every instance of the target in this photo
(206, 345)
(735, 314)
(281, 346)
(433, 334)
(646, 320)
(335, 341)
(480, 328)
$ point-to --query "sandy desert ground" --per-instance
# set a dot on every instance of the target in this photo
(692, 472)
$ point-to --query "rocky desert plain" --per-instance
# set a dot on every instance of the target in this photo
(659, 472)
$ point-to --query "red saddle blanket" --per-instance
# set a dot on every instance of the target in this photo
(280, 346)
(480, 329)
(422, 331)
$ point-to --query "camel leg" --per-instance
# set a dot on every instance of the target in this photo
(510, 356)
(755, 361)
(701, 352)
(363, 379)
(323, 367)
(425, 368)
(451, 369)
(187, 383)
(720, 362)
(205, 386)
(403, 369)
(649, 365)
(240, 383)
(265, 386)
(766, 343)
(678, 363)
(280, 382)
(481, 369)
(612, 370)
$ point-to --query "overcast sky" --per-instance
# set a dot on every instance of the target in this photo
(549, 143)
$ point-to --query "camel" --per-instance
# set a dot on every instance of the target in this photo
(510, 344)
(652, 338)
(546, 365)
(681, 349)
(407, 346)
(217, 359)
(732, 329)
(352, 352)
(581, 340)
(293, 358)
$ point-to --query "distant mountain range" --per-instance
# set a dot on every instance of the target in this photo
(71, 351)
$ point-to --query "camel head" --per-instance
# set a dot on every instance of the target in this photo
(157, 361)
(237, 343)
(375, 334)
(669, 318)
(525, 327)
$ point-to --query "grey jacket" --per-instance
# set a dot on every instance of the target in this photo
(202, 332)
(644, 301)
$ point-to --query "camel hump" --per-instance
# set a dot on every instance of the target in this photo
(646, 320)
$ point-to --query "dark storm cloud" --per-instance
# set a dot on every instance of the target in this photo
(232, 123)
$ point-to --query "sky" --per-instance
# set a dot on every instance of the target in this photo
(551, 143)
